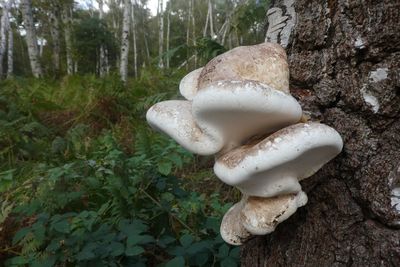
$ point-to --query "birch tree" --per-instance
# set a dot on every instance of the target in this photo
(31, 39)
(10, 53)
(67, 21)
(103, 62)
(135, 53)
(5, 22)
(161, 34)
(123, 69)
(168, 32)
(55, 34)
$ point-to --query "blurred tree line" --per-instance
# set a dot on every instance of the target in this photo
(59, 37)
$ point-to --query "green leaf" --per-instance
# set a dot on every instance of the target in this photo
(176, 262)
(61, 226)
(186, 240)
(134, 251)
(20, 260)
(228, 262)
(223, 251)
(20, 234)
(164, 168)
(201, 259)
(116, 248)
(198, 246)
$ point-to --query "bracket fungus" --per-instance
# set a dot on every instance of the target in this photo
(239, 108)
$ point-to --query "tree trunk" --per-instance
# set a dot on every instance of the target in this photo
(135, 66)
(4, 25)
(55, 35)
(103, 53)
(67, 21)
(10, 53)
(210, 7)
(31, 40)
(123, 69)
(344, 58)
(161, 34)
(168, 32)
(194, 34)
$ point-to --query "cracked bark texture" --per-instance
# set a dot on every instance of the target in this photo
(344, 58)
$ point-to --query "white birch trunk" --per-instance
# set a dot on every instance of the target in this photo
(102, 60)
(161, 34)
(55, 36)
(123, 70)
(188, 32)
(3, 34)
(31, 40)
(10, 53)
(207, 18)
(135, 66)
(168, 33)
(194, 34)
(212, 33)
(67, 21)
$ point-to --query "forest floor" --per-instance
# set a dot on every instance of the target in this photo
(84, 181)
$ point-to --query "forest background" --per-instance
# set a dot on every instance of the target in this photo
(83, 180)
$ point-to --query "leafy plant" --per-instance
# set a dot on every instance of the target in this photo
(80, 198)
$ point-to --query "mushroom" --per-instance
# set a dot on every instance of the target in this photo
(239, 107)
(275, 165)
(266, 63)
(209, 123)
(261, 215)
(232, 229)
(258, 216)
(189, 83)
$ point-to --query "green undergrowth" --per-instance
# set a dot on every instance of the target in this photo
(85, 182)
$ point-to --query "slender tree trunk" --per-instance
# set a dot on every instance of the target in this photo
(161, 34)
(168, 32)
(31, 40)
(10, 53)
(102, 54)
(135, 66)
(55, 35)
(194, 34)
(188, 32)
(212, 33)
(344, 59)
(4, 25)
(123, 69)
(207, 19)
(67, 21)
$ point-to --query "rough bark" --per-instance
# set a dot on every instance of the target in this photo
(344, 59)
(31, 39)
(123, 69)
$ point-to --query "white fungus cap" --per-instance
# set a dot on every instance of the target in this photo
(265, 63)
(174, 118)
(260, 216)
(232, 229)
(224, 115)
(189, 84)
(275, 165)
